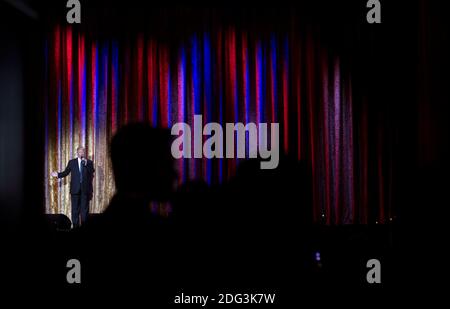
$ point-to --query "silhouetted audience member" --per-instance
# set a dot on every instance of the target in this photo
(129, 242)
(269, 212)
(244, 231)
(143, 173)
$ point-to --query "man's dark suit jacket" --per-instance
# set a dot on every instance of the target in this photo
(77, 187)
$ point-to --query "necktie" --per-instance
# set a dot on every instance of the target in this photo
(81, 171)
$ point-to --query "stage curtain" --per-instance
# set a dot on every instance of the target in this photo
(97, 83)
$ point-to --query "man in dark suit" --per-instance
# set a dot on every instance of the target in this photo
(81, 171)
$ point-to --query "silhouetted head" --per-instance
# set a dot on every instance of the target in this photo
(142, 162)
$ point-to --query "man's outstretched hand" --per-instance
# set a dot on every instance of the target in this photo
(54, 174)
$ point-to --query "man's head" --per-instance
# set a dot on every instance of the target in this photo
(80, 152)
(142, 162)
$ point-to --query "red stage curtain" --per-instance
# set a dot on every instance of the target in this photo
(95, 84)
